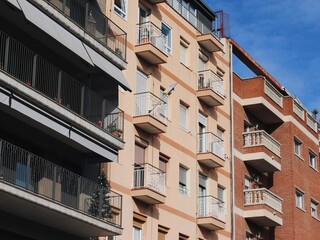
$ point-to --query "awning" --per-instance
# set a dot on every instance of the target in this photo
(52, 28)
(107, 67)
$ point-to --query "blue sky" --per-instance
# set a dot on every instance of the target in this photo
(283, 37)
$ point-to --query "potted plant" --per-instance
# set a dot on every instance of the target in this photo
(118, 52)
(112, 128)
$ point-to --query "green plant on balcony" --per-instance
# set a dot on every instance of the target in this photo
(112, 128)
(100, 202)
(118, 52)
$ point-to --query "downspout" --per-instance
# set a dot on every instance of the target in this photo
(232, 144)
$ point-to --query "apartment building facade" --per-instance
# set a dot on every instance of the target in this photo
(60, 69)
(275, 159)
(174, 172)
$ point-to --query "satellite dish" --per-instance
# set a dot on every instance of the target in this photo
(169, 89)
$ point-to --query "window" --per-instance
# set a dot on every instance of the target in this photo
(183, 237)
(183, 116)
(166, 33)
(248, 236)
(183, 53)
(247, 182)
(162, 232)
(313, 160)
(138, 221)
(314, 209)
(110, 238)
(120, 7)
(139, 157)
(183, 189)
(221, 193)
(299, 199)
(137, 232)
(220, 132)
(297, 147)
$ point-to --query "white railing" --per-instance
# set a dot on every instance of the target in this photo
(148, 33)
(148, 176)
(149, 104)
(273, 93)
(210, 80)
(208, 142)
(209, 206)
(298, 109)
(261, 196)
(261, 138)
(312, 122)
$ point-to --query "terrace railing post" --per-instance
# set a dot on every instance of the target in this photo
(103, 114)
(82, 101)
(54, 182)
(1, 161)
(59, 86)
(34, 70)
(6, 54)
(78, 193)
(28, 172)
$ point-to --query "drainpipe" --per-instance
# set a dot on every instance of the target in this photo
(232, 145)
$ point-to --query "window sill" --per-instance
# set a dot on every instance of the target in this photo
(314, 169)
(120, 13)
(299, 157)
(301, 209)
(185, 66)
(315, 218)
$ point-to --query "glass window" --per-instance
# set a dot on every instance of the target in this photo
(183, 189)
(120, 7)
(297, 147)
(166, 33)
(313, 160)
(137, 233)
(183, 116)
(139, 157)
(183, 54)
(299, 199)
(314, 209)
(221, 193)
(247, 183)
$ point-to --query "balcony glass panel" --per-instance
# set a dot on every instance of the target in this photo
(208, 142)
(39, 74)
(210, 80)
(209, 206)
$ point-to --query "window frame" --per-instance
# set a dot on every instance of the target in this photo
(314, 165)
(168, 38)
(297, 147)
(315, 209)
(183, 51)
(299, 197)
(122, 13)
(183, 185)
(184, 107)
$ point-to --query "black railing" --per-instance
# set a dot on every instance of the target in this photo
(94, 22)
(39, 74)
(33, 173)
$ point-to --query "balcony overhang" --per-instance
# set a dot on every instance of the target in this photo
(150, 53)
(210, 42)
(148, 196)
(210, 160)
(210, 97)
(149, 124)
(40, 210)
(211, 223)
(263, 216)
(262, 162)
(263, 110)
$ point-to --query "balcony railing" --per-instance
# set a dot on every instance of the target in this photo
(298, 109)
(194, 17)
(94, 22)
(149, 33)
(208, 142)
(209, 206)
(41, 177)
(209, 80)
(273, 93)
(262, 196)
(261, 138)
(148, 176)
(312, 122)
(149, 104)
(39, 74)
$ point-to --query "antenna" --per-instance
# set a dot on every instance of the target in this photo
(169, 89)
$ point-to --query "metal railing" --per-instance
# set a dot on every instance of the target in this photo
(298, 109)
(261, 138)
(207, 79)
(39, 74)
(273, 93)
(208, 142)
(148, 33)
(209, 206)
(262, 196)
(37, 175)
(312, 122)
(195, 18)
(93, 21)
(149, 104)
(148, 176)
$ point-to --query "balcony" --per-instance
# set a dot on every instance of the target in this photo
(267, 104)
(312, 122)
(210, 42)
(210, 88)
(261, 151)
(150, 113)
(211, 213)
(263, 207)
(149, 184)
(73, 101)
(210, 150)
(48, 194)
(86, 21)
(151, 44)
